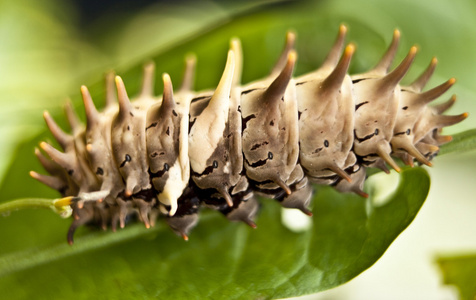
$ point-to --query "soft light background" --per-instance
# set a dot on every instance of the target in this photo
(48, 48)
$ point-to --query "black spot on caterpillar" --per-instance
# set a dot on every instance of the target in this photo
(220, 149)
(360, 104)
(126, 159)
(100, 171)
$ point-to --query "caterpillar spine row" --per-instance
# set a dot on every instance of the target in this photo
(175, 153)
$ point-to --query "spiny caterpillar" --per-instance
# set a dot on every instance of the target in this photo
(178, 152)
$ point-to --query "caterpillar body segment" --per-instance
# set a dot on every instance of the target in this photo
(176, 153)
(326, 125)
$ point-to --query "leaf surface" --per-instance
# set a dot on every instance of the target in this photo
(223, 260)
(460, 271)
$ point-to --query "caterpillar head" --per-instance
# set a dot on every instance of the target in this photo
(58, 178)
(74, 159)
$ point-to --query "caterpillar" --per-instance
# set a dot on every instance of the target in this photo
(173, 154)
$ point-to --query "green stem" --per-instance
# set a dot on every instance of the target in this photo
(31, 203)
(463, 141)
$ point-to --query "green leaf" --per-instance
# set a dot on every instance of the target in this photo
(462, 142)
(348, 233)
(223, 260)
(461, 272)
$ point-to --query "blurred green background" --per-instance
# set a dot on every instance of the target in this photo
(49, 48)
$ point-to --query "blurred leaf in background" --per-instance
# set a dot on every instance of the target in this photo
(39, 50)
(459, 271)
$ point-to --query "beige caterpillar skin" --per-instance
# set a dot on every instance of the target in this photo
(175, 153)
(326, 106)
